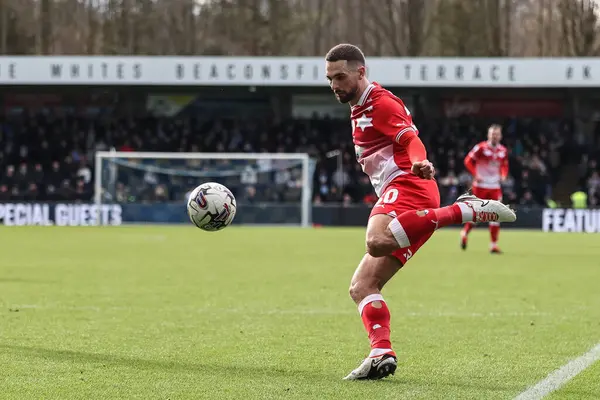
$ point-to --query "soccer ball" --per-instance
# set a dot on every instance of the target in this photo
(211, 206)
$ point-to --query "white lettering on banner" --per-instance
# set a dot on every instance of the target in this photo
(232, 71)
(295, 71)
(63, 214)
(561, 220)
(103, 70)
(8, 71)
(115, 215)
(85, 215)
(25, 214)
(441, 72)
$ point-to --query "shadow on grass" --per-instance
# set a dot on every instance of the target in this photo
(212, 368)
(208, 368)
(22, 280)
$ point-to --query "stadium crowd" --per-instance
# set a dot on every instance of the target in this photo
(589, 171)
(51, 158)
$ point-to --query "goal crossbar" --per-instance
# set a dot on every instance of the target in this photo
(202, 156)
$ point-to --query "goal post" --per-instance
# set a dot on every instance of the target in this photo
(270, 188)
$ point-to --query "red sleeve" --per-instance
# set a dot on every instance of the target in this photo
(392, 118)
(504, 167)
(471, 160)
(414, 147)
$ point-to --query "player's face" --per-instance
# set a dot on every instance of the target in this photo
(494, 136)
(344, 80)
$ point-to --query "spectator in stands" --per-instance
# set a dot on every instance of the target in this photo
(579, 199)
(249, 195)
(4, 193)
(527, 199)
(593, 187)
(449, 186)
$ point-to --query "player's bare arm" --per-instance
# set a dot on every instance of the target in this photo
(423, 169)
(421, 166)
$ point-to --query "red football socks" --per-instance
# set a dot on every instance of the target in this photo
(467, 228)
(410, 226)
(494, 233)
(450, 215)
(376, 319)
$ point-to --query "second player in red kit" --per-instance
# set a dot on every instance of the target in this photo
(488, 163)
(407, 213)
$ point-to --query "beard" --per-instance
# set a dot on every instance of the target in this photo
(345, 97)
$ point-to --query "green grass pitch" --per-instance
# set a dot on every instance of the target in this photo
(263, 313)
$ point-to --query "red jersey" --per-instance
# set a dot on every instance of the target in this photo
(379, 120)
(487, 163)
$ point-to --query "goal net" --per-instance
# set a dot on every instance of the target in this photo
(270, 188)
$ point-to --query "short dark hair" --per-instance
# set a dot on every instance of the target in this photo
(347, 52)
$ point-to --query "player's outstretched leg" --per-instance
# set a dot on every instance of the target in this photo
(464, 234)
(494, 233)
(365, 289)
(411, 227)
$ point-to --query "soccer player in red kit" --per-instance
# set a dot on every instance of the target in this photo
(488, 163)
(408, 211)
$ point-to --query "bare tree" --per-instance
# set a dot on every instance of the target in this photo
(4, 15)
(45, 25)
(579, 23)
(300, 27)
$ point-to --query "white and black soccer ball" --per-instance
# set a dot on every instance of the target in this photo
(211, 206)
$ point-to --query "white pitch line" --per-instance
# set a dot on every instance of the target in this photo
(564, 374)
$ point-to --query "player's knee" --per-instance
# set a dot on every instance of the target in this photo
(354, 292)
(380, 245)
(359, 290)
(380, 241)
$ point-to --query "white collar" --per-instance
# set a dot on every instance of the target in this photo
(365, 94)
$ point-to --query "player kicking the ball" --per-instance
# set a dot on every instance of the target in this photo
(408, 210)
(488, 163)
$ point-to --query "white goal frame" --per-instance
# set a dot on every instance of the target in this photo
(306, 217)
